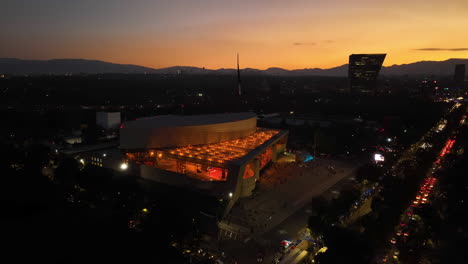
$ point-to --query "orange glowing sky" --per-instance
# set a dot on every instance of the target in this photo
(208, 33)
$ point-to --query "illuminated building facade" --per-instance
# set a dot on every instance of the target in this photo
(363, 71)
(219, 154)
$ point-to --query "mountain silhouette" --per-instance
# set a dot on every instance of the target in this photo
(81, 66)
(438, 68)
(66, 66)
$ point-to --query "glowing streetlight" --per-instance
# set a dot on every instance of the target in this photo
(230, 195)
(124, 166)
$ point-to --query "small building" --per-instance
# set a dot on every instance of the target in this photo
(73, 140)
(108, 120)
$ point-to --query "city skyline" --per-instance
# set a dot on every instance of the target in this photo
(296, 35)
(248, 131)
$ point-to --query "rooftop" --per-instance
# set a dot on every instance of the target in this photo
(195, 120)
(217, 154)
(225, 151)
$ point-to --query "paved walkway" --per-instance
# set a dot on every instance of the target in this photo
(273, 204)
(279, 212)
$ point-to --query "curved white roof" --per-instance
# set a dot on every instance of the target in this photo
(193, 120)
(176, 131)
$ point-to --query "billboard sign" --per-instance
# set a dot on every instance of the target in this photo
(378, 157)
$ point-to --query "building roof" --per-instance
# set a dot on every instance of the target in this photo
(177, 131)
(369, 54)
(223, 152)
(88, 148)
(195, 120)
(238, 151)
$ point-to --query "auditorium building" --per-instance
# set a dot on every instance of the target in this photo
(219, 154)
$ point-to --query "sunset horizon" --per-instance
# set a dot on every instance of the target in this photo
(247, 131)
(233, 66)
(296, 35)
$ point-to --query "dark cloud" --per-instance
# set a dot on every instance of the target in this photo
(442, 49)
(304, 43)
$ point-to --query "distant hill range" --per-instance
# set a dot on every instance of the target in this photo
(79, 66)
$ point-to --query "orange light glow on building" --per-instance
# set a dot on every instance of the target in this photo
(207, 162)
(224, 151)
(249, 172)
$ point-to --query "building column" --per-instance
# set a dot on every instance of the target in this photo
(256, 168)
(274, 153)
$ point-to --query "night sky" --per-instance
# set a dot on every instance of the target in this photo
(208, 33)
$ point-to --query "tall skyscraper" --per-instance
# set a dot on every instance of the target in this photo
(363, 71)
(459, 75)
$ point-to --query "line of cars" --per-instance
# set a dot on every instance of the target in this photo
(409, 218)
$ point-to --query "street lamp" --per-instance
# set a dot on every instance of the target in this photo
(124, 166)
(230, 195)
